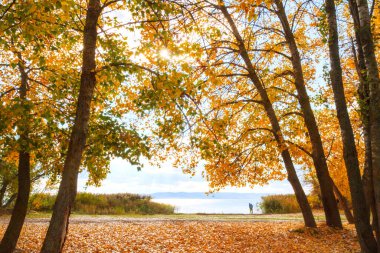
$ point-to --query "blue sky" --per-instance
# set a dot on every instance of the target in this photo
(125, 178)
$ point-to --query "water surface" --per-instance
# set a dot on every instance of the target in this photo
(210, 205)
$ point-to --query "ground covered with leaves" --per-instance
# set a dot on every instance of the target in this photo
(192, 236)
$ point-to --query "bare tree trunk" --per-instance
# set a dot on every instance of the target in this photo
(10, 200)
(328, 199)
(9, 241)
(2, 191)
(344, 204)
(361, 214)
(58, 227)
(292, 175)
(364, 104)
(374, 98)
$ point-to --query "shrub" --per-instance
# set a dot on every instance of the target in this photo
(89, 203)
(315, 201)
(279, 204)
(43, 202)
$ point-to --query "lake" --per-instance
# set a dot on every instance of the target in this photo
(210, 205)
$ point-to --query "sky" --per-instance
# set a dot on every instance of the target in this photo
(125, 178)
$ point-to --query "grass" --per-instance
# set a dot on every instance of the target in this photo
(319, 216)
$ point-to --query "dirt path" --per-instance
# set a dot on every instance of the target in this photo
(80, 219)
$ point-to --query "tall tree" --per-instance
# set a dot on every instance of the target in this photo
(57, 230)
(97, 133)
(373, 80)
(362, 224)
(239, 137)
(364, 103)
(13, 230)
(276, 130)
(318, 156)
(15, 56)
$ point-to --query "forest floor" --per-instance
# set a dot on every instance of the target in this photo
(189, 233)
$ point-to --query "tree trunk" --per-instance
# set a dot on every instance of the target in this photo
(2, 192)
(9, 241)
(292, 175)
(364, 104)
(362, 224)
(328, 199)
(374, 97)
(58, 227)
(10, 200)
(343, 203)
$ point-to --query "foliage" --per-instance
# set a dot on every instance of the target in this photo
(88, 203)
(315, 201)
(47, 41)
(279, 204)
(179, 89)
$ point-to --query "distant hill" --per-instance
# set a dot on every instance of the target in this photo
(201, 195)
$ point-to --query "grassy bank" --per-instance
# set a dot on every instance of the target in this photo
(285, 203)
(111, 204)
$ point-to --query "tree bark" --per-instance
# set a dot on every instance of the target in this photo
(11, 235)
(328, 199)
(2, 192)
(374, 97)
(362, 224)
(292, 175)
(364, 104)
(344, 204)
(10, 238)
(58, 227)
(10, 200)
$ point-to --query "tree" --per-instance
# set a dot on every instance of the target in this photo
(364, 103)
(373, 80)
(328, 199)
(292, 176)
(12, 233)
(56, 233)
(24, 117)
(233, 158)
(23, 106)
(366, 239)
(107, 137)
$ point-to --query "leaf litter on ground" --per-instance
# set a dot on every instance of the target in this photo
(194, 236)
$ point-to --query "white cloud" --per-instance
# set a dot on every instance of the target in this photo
(125, 178)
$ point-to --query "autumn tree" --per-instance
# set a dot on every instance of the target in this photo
(236, 156)
(372, 77)
(56, 233)
(96, 134)
(292, 176)
(317, 154)
(364, 230)
(51, 67)
(15, 43)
